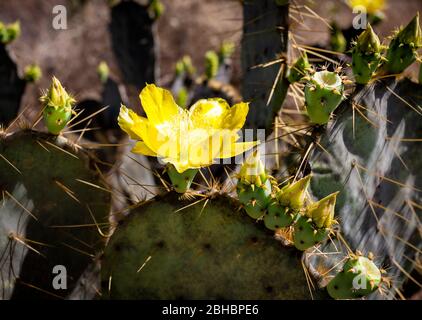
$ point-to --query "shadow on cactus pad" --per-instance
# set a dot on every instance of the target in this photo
(49, 215)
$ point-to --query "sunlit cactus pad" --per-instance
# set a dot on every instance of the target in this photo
(213, 253)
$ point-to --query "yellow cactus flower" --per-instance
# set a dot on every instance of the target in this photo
(371, 6)
(187, 139)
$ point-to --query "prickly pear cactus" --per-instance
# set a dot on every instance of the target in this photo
(180, 249)
(133, 41)
(265, 32)
(11, 88)
(52, 213)
(371, 155)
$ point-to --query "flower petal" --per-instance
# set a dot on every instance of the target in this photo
(236, 149)
(237, 116)
(158, 104)
(128, 121)
(141, 148)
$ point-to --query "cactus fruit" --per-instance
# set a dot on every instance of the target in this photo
(299, 69)
(366, 56)
(254, 186)
(57, 107)
(323, 94)
(9, 32)
(278, 216)
(181, 181)
(359, 277)
(402, 51)
(50, 213)
(170, 248)
(103, 71)
(211, 64)
(316, 224)
(33, 73)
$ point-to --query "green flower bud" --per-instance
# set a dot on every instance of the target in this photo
(9, 32)
(211, 64)
(103, 71)
(32, 73)
(57, 107)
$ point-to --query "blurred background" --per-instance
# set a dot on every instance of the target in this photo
(186, 27)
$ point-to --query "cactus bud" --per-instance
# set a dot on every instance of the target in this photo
(322, 211)
(57, 107)
(402, 51)
(103, 71)
(299, 69)
(211, 64)
(293, 195)
(359, 277)
(181, 182)
(254, 186)
(32, 73)
(226, 50)
(366, 55)
(9, 32)
(338, 42)
(156, 8)
(323, 94)
(185, 66)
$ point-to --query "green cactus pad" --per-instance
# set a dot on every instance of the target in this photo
(278, 216)
(323, 94)
(211, 252)
(359, 277)
(56, 119)
(304, 235)
(48, 214)
(254, 199)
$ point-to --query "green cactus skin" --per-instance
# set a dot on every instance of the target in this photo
(323, 94)
(278, 216)
(299, 69)
(306, 235)
(56, 119)
(366, 56)
(338, 41)
(402, 51)
(181, 182)
(342, 286)
(211, 64)
(265, 39)
(38, 187)
(211, 252)
(254, 199)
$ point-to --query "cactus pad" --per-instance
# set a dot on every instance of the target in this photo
(172, 249)
(48, 216)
